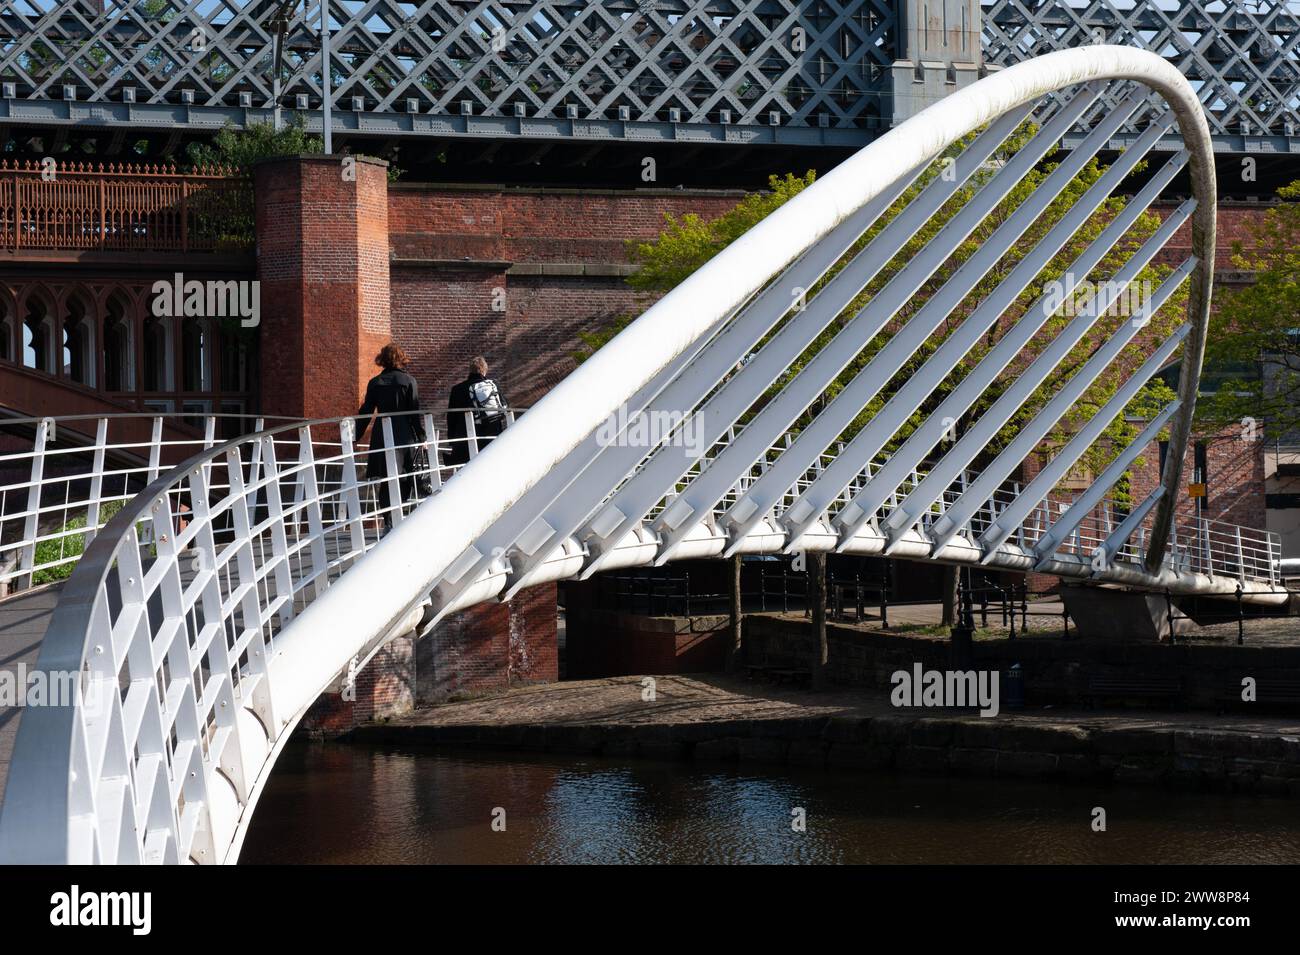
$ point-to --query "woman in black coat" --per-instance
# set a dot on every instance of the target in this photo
(391, 390)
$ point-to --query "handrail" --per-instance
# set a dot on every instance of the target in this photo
(57, 498)
(264, 532)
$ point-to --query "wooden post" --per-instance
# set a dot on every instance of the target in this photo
(734, 647)
(817, 598)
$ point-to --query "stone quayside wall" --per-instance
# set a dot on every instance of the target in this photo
(964, 746)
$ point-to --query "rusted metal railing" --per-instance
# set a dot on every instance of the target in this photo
(119, 207)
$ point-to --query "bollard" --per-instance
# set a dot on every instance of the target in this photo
(1015, 688)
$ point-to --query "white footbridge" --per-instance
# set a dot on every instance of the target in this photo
(218, 587)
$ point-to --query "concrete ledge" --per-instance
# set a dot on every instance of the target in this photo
(488, 265)
(911, 742)
(582, 269)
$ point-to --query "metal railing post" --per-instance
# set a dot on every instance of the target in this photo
(351, 488)
(435, 458)
(393, 477)
(471, 433)
(1241, 559)
(310, 499)
(96, 489)
(279, 539)
(31, 523)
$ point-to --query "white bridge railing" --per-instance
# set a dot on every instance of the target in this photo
(170, 621)
(216, 605)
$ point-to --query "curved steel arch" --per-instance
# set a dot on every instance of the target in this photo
(541, 502)
(422, 550)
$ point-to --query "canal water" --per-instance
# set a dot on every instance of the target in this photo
(340, 803)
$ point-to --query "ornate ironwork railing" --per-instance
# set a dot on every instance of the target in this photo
(116, 207)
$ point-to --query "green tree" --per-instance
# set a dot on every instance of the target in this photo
(1253, 351)
(689, 242)
(238, 149)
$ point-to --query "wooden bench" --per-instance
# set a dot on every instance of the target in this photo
(1268, 692)
(1165, 689)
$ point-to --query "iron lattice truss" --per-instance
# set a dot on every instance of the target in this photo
(780, 70)
(1242, 57)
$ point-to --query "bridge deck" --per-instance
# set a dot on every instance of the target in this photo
(23, 619)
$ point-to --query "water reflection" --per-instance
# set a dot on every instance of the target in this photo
(340, 803)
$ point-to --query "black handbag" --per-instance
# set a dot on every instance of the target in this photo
(423, 476)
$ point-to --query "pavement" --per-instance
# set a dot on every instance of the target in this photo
(709, 698)
(23, 619)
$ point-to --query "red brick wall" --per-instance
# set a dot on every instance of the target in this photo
(442, 305)
(322, 259)
(1235, 220)
(491, 646)
(532, 652)
(600, 643)
(1234, 475)
(536, 225)
(487, 647)
(384, 688)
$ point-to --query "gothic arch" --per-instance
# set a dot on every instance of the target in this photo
(37, 314)
(79, 358)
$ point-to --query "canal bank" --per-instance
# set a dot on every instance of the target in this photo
(717, 719)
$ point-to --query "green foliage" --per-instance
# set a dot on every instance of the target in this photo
(71, 545)
(686, 244)
(238, 149)
(689, 242)
(228, 215)
(1254, 344)
(593, 340)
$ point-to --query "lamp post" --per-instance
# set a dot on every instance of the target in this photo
(325, 72)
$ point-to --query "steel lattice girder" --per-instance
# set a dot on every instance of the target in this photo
(1242, 59)
(782, 69)
(727, 71)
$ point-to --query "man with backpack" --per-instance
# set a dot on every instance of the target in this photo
(481, 396)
